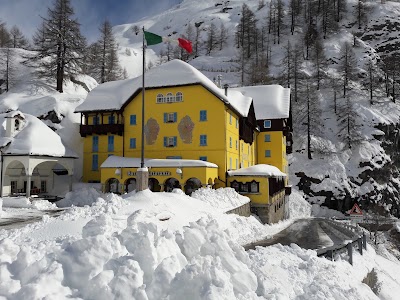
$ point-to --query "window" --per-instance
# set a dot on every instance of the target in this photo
(267, 124)
(230, 142)
(267, 138)
(254, 187)
(236, 144)
(132, 119)
(170, 117)
(170, 98)
(96, 120)
(179, 97)
(160, 98)
(95, 162)
(43, 186)
(203, 140)
(230, 119)
(95, 143)
(230, 163)
(110, 143)
(235, 185)
(132, 143)
(14, 184)
(267, 153)
(111, 119)
(203, 158)
(203, 115)
(237, 123)
(170, 141)
(244, 187)
(237, 162)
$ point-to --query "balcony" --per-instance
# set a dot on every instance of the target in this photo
(101, 129)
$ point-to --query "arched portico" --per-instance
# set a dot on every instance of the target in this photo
(191, 185)
(170, 184)
(26, 174)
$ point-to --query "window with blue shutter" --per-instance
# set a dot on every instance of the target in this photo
(133, 119)
(95, 162)
(170, 141)
(230, 142)
(95, 143)
(170, 117)
(111, 119)
(203, 158)
(203, 115)
(267, 138)
(267, 124)
(96, 120)
(203, 140)
(267, 153)
(132, 143)
(110, 143)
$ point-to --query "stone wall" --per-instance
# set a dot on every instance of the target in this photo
(270, 213)
(243, 210)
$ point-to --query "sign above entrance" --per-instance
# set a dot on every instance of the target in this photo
(165, 173)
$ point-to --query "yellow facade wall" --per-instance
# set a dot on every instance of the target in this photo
(103, 153)
(277, 146)
(262, 197)
(195, 98)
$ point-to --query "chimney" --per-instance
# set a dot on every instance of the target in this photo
(226, 89)
(219, 79)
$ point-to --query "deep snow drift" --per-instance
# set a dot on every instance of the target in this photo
(171, 246)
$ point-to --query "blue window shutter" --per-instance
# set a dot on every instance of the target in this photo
(165, 141)
(175, 117)
(165, 117)
(175, 140)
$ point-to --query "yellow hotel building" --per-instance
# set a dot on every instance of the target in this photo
(195, 135)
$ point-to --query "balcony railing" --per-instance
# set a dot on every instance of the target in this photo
(101, 129)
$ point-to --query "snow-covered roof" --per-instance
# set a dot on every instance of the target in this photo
(270, 101)
(113, 95)
(33, 138)
(258, 170)
(134, 162)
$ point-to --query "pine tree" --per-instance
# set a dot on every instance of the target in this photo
(105, 64)
(319, 60)
(18, 40)
(223, 36)
(7, 64)
(5, 39)
(347, 65)
(349, 128)
(59, 44)
(212, 41)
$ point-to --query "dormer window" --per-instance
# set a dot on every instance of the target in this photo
(170, 98)
(267, 124)
(160, 98)
(179, 97)
(16, 124)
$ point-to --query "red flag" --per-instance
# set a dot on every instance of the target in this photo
(185, 44)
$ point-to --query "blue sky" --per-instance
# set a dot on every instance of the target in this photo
(90, 13)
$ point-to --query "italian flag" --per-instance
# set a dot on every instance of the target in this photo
(154, 39)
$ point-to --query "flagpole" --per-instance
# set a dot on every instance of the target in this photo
(142, 174)
(143, 92)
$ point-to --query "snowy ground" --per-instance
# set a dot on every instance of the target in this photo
(171, 246)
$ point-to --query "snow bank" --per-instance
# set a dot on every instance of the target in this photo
(17, 202)
(325, 212)
(298, 206)
(144, 261)
(224, 199)
(80, 197)
(1, 206)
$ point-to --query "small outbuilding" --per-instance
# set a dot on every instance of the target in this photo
(30, 152)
